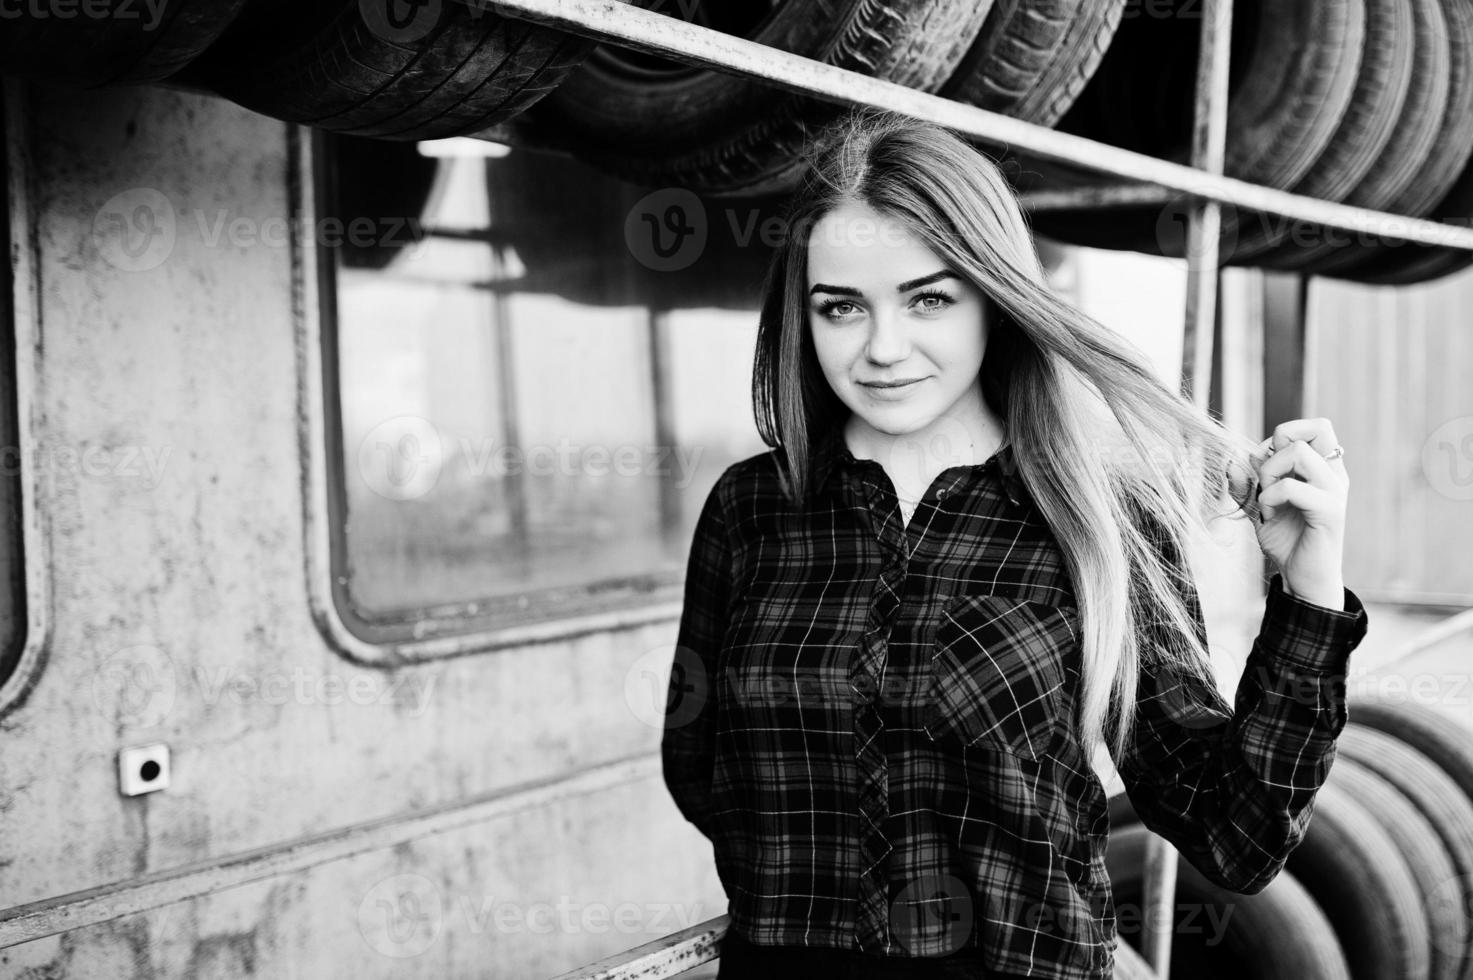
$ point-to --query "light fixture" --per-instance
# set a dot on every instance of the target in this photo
(462, 146)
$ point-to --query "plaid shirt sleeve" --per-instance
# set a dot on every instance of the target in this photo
(1233, 789)
(688, 746)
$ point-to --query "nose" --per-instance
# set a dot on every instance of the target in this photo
(888, 342)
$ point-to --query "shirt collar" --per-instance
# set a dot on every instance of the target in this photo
(831, 453)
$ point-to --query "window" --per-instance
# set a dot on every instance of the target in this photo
(527, 417)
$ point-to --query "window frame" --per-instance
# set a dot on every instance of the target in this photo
(25, 651)
(426, 632)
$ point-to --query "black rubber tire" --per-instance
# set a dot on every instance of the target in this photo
(1409, 263)
(1292, 73)
(1034, 57)
(1399, 181)
(124, 47)
(1444, 740)
(1280, 933)
(1445, 806)
(1356, 872)
(720, 134)
(1450, 168)
(1428, 857)
(331, 64)
(1361, 140)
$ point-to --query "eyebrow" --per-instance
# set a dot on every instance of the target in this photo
(904, 287)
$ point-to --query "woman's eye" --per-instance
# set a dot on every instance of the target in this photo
(933, 302)
(838, 308)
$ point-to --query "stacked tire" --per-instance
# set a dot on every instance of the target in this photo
(112, 42)
(1380, 887)
(660, 124)
(385, 69)
(1362, 102)
(1365, 102)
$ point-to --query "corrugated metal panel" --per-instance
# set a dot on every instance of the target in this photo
(1391, 368)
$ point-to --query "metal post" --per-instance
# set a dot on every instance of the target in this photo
(1209, 137)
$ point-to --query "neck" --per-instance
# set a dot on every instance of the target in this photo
(945, 442)
(914, 459)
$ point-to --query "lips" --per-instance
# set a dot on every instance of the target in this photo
(890, 384)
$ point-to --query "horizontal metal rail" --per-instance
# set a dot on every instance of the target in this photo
(629, 26)
(1099, 196)
(669, 956)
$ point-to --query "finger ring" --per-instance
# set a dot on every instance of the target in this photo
(1335, 453)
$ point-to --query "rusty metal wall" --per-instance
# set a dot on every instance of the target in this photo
(167, 461)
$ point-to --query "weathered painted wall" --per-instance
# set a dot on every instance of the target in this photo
(180, 547)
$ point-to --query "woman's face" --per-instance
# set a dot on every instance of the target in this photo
(883, 308)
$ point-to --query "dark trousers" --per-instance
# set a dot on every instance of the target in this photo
(740, 960)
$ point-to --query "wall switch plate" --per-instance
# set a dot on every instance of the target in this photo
(143, 769)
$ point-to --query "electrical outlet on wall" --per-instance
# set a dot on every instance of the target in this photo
(143, 769)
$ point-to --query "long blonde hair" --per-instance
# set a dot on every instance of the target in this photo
(1127, 473)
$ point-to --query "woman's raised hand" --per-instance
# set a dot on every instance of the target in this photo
(1301, 502)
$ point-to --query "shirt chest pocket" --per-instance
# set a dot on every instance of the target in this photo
(998, 677)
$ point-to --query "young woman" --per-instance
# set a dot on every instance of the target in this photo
(908, 626)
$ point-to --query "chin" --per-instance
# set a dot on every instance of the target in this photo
(892, 425)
